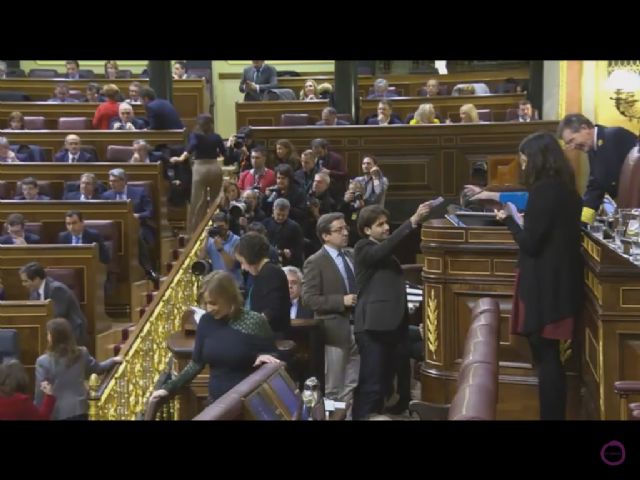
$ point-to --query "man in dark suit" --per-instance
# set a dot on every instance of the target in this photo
(294, 277)
(126, 119)
(161, 114)
(607, 148)
(72, 153)
(30, 190)
(61, 95)
(142, 210)
(88, 189)
(73, 70)
(330, 290)
(257, 79)
(16, 234)
(65, 304)
(333, 164)
(385, 115)
(381, 317)
(330, 118)
(285, 234)
(77, 234)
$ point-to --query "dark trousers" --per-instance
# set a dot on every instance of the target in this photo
(381, 353)
(552, 382)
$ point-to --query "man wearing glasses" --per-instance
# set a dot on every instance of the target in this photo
(607, 148)
(329, 289)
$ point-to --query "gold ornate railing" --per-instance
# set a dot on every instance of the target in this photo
(123, 393)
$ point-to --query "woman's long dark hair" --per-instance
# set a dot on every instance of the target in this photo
(204, 124)
(63, 343)
(545, 159)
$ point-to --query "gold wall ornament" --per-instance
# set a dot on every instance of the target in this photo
(432, 323)
(565, 350)
(124, 396)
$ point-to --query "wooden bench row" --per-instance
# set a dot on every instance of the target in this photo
(190, 97)
(268, 114)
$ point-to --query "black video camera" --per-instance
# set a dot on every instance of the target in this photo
(201, 267)
(274, 193)
(239, 141)
(237, 209)
(358, 196)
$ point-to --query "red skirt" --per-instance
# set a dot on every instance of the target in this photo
(560, 330)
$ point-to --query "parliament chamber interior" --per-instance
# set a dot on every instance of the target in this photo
(134, 184)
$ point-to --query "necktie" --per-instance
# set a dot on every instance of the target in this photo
(351, 278)
(255, 75)
(73, 159)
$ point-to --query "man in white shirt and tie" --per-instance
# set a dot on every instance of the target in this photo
(77, 234)
(294, 277)
(329, 289)
(257, 79)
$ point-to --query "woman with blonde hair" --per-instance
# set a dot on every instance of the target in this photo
(15, 121)
(287, 153)
(425, 115)
(109, 109)
(111, 69)
(469, 114)
(310, 90)
(230, 339)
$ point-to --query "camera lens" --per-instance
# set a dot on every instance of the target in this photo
(201, 267)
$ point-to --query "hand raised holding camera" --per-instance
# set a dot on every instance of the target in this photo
(422, 211)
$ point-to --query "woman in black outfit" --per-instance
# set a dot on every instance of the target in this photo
(230, 339)
(268, 292)
(549, 286)
(205, 146)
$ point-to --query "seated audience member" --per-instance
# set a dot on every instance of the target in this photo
(525, 112)
(72, 152)
(381, 90)
(470, 89)
(134, 93)
(374, 184)
(259, 177)
(425, 115)
(511, 85)
(298, 310)
(330, 118)
(65, 303)
(252, 212)
(431, 89)
(16, 234)
(92, 93)
(111, 69)
(108, 109)
(30, 190)
(220, 247)
(6, 154)
(305, 175)
(15, 403)
(142, 153)
(78, 234)
(161, 114)
(142, 210)
(469, 114)
(325, 92)
(310, 90)
(68, 367)
(257, 79)
(286, 153)
(286, 187)
(15, 121)
(269, 292)
(230, 193)
(231, 338)
(61, 95)
(332, 163)
(180, 71)
(3, 69)
(385, 115)
(88, 189)
(73, 70)
(126, 119)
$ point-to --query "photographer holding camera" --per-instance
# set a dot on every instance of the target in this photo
(285, 234)
(351, 206)
(239, 147)
(287, 187)
(259, 177)
(219, 248)
(374, 183)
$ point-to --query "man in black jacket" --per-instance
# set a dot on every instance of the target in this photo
(607, 148)
(77, 234)
(381, 317)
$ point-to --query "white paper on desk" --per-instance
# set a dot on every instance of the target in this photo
(415, 298)
(414, 291)
(198, 312)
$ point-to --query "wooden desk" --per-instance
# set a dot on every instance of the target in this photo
(267, 114)
(30, 319)
(611, 332)
(462, 265)
(190, 96)
(53, 111)
(52, 141)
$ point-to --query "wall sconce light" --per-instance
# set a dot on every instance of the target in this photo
(624, 84)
